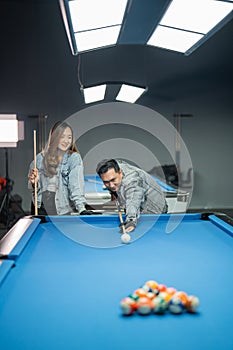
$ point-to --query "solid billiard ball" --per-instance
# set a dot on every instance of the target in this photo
(144, 306)
(152, 284)
(176, 305)
(128, 306)
(192, 303)
(125, 238)
(140, 292)
(162, 288)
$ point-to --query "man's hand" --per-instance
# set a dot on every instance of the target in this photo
(129, 225)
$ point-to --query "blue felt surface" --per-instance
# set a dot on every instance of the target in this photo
(93, 183)
(5, 267)
(65, 295)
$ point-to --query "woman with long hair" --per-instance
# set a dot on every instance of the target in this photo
(59, 175)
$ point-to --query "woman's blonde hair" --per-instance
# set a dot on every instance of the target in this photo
(51, 156)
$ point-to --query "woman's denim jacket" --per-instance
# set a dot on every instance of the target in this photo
(70, 192)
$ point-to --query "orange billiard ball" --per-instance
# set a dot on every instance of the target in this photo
(144, 306)
(141, 292)
(162, 288)
(192, 303)
(128, 306)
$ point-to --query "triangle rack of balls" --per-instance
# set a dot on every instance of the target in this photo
(157, 298)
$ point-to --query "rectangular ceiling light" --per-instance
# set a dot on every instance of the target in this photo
(173, 39)
(194, 18)
(198, 16)
(94, 93)
(92, 19)
(97, 38)
(129, 93)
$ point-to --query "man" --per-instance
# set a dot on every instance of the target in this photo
(133, 188)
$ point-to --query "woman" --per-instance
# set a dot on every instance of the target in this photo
(59, 175)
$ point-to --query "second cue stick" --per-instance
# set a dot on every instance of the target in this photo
(35, 184)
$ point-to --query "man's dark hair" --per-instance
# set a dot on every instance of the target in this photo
(107, 164)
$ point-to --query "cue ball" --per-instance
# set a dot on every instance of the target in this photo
(125, 238)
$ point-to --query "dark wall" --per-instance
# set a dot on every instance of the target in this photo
(39, 76)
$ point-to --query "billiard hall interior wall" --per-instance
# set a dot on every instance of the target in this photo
(207, 136)
(39, 77)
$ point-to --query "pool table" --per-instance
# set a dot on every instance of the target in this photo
(62, 279)
(99, 197)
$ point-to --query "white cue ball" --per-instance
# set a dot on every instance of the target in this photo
(125, 238)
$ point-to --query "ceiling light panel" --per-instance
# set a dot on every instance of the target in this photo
(92, 14)
(94, 93)
(196, 15)
(96, 23)
(97, 38)
(129, 93)
(189, 23)
(173, 39)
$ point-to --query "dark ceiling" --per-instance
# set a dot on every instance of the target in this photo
(35, 54)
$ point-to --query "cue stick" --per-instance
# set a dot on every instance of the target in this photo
(35, 184)
(120, 216)
(94, 181)
(121, 220)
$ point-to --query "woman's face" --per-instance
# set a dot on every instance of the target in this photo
(65, 140)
